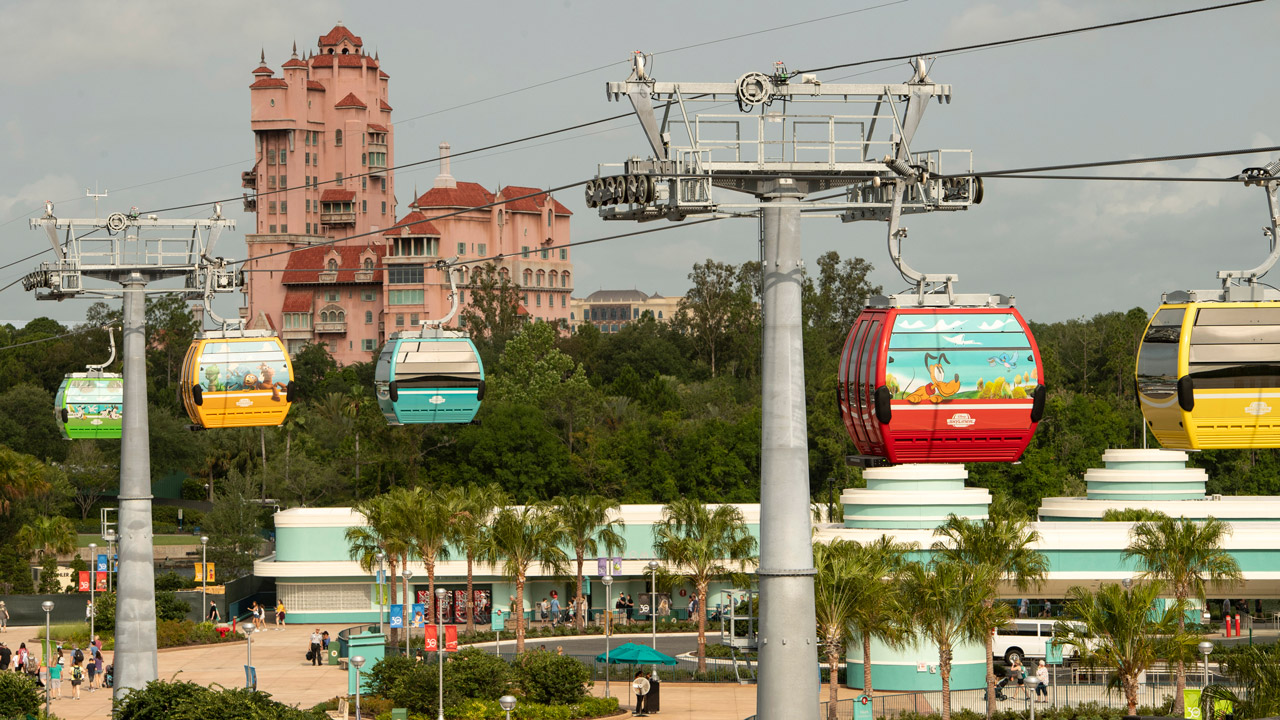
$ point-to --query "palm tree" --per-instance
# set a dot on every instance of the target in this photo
(947, 608)
(21, 476)
(703, 544)
(1256, 669)
(48, 534)
(431, 528)
(840, 586)
(1002, 544)
(1183, 554)
(879, 614)
(470, 527)
(386, 531)
(518, 538)
(589, 526)
(1115, 628)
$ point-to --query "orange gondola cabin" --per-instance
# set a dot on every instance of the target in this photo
(239, 380)
(940, 385)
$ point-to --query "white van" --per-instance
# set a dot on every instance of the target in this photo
(1025, 638)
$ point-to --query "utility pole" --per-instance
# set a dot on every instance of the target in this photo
(128, 257)
(779, 160)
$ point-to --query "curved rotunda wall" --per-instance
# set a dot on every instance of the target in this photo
(912, 497)
(1145, 475)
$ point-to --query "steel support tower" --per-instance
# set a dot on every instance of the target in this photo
(782, 158)
(127, 253)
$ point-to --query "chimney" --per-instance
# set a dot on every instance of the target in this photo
(444, 179)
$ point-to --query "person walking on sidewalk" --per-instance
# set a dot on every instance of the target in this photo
(316, 639)
(4, 616)
(214, 615)
(5, 655)
(55, 679)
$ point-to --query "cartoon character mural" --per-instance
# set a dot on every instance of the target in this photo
(980, 353)
(940, 389)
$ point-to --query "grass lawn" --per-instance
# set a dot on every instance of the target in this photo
(84, 540)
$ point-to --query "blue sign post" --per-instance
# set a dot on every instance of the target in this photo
(102, 563)
(397, 616)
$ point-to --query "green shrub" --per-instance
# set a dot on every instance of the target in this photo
(19, 695)
(551, 679)
(384, 674)
(173, 581)
(474, 673)
(418, 690)
(187, 701)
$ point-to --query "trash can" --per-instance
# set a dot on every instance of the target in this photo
(333, 654)
(651, 704)
(399, 714)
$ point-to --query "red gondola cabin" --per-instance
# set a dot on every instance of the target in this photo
(940, 385)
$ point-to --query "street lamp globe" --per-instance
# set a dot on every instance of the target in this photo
(408, 574)
(607, 580)
(204, 539)
(357, 661)
(507, 702)
(47, 606)
(1206, 647)
(653, 565)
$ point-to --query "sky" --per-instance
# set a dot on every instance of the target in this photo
(150, 101)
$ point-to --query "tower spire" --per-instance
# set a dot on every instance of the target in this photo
(262, 56)
(295, 48)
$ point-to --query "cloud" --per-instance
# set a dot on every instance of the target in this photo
(29, 199)
(988, 21)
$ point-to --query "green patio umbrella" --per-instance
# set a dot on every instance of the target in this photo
(633, 654)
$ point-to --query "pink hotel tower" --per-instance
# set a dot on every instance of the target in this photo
(328, 119)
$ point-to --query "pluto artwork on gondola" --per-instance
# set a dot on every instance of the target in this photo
(1208, 370)
(936, 377)
(433, 374)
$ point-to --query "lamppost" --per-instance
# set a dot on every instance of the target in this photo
(405, 614)
(653, 600)
(357, 662)
(378, 584)
(607, 580)
(508, 703)
(93, 584)
(204, 574)
(440, 593)
(1206, 647)
(110, 537)
(48, 608)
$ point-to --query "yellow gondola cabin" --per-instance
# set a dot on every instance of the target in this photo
(241, 379)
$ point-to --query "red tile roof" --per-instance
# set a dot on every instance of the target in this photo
(415, 223)
(336, 35)
(304, 265)
(337, 195)
(297, 300)
(263, 70)
(530, 204)
(294, 62)
(327, 60)
(350, 101)
(314, 85)
(382, 104)
(466, 194)
(383, 75)
(377, 128)
(267, 82)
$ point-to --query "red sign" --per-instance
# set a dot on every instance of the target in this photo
(450, 638)
(82, 583)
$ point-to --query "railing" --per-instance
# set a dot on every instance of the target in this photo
(331, 327)
(337, 218)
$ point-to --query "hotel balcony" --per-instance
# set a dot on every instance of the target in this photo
(331, 327)
(296, 334)
(377, 163)
(337, 218)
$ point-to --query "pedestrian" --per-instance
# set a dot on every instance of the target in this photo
(1048, 608)
(262, 616)
(316, 640)
(693, 607)
(279, 614)
(631, 609)
(1019, 675)
(214, 615)
(1042, 684)
(4, 616)
(1024, 607)
(21, 663)
(621, 606)
(97, 661)
(1226, 608)
(5, 655)
(55, 678)
(324, 642)
(88, 611)
(91, 668)
(77, 677)
(555, 608)
(640, 686)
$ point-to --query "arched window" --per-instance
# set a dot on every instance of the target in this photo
(342, 317)
(541, 277)
(337, 136)
(564, 279)
(553, 278)
(324, 317)
(505, 274)
(368, 263)
(368, 317)
(331, 265)
(528, 277)
(659, 314)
